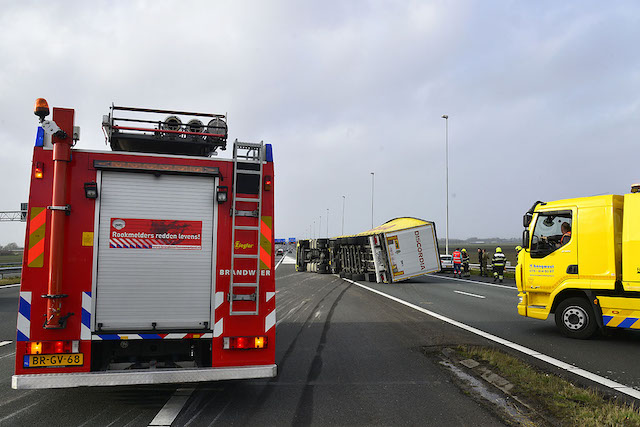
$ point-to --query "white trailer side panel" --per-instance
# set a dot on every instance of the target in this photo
(169, 286)
(412, 252)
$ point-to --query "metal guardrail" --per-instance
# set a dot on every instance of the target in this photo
(10, 270)
(510, 268)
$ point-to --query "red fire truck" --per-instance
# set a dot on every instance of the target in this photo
(150, 263)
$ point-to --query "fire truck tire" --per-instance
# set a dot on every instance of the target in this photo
(575, 318)
(358, 277)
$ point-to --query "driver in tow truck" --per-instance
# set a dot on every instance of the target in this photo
(566, 234)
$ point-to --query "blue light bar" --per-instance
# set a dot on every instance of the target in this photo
(269, 153)
(40, 137)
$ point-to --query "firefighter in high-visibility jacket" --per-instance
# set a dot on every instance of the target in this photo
(457, 263)
(465, 263)
(498, 263)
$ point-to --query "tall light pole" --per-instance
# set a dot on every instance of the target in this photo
(343, 200)
(446, 142)
(327, 223)
(372, 180)
(319, 226)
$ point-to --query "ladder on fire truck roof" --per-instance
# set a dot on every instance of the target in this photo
(248, 161)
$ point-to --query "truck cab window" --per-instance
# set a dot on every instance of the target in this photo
(549, 231)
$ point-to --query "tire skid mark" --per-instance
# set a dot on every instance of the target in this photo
(264, 395)
(304, 411)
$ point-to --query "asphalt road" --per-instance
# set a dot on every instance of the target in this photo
(613, 356)
(345, 356)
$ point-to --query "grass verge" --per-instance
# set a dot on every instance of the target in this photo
(9, 281)
(555, 396)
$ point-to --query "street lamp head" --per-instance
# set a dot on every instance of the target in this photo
(444, 116)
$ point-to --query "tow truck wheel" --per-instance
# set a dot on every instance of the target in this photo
(575, 318)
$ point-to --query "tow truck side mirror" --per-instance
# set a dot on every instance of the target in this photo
(525, 239)
(526, 219)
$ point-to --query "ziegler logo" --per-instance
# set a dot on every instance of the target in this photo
(239, 245)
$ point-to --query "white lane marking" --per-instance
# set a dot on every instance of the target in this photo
(471, 295)
(474, 281)
(172, 408)
(529, 352)
(9, 286)
(7, 355)
(279, 262)
(3, 343)
(289, 260)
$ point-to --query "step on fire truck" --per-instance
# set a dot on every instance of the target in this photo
(151, 263)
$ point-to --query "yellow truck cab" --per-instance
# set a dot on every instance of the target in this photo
(588, 276)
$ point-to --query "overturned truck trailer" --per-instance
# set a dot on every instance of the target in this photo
(397, 250)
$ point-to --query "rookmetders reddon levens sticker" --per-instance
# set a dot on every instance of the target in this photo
(132, 233)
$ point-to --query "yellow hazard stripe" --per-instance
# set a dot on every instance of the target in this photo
(266, 242)
(621, 318)
(37, 230)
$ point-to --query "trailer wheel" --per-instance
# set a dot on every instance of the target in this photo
(575, 318)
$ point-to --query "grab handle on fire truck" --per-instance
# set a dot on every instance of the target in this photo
(66, 209)
(250, 297)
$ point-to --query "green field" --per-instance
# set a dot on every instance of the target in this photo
(11, 259)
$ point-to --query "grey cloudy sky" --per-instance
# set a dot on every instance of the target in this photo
(543, 97)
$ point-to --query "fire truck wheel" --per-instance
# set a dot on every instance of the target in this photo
(575, 318)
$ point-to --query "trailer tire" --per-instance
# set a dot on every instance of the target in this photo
(575, 318)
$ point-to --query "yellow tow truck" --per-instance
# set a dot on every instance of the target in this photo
(589, 277)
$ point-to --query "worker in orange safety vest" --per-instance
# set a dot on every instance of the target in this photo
(457, 263)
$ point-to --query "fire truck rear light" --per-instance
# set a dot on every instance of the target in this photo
(244, 343)
(267, 183)
(34, 347)
(38, 170)
(75, 346)
(91, 190)
(59, 347)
